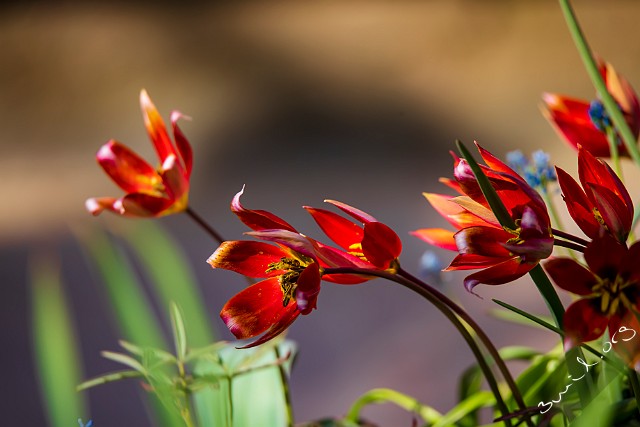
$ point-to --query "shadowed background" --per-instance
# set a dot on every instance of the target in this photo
(357, 101)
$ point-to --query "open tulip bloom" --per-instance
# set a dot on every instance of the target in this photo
(150, 191)
(500, 216)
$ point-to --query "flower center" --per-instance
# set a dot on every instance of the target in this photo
(292, 268)
(611, 293)
(356, 250)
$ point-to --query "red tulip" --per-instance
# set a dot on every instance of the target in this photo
(150, 192)
(582, 123)
(609, 286)
(603, 199)
(482, 243)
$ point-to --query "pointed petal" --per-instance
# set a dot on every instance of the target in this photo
(175, 181)
(131, 172)
(257, 309)
(184, 148)
(595, 171)
(613, 211)
(257, 219)
(283, 323)
(472, 262)
(437, 237)
(295, 241)
(342, 231)
(155, 127)
(353, 212)
(486, 241)
(144, 205)
(505, 272)
(474, 209)
(493, 162)
(247, 257)
(570, 118)
(583, 322)
(96, 205)
(452, 209)
(380, 244)
(308, 288)
(578, 205)
(570, 276)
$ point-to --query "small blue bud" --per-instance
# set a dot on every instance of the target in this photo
(517, 160)
(599, 116)
(431, 266)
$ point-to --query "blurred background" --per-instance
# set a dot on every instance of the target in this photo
(358, 101)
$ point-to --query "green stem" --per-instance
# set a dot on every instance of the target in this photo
(568, 245)
(285, 388)
(596, 78)
(612, 137)
(446, 306)
(205, 226)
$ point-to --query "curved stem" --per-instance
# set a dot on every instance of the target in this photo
(205, 226)
(286, 390)
(570, 245)
(453, 312)
(569, 236)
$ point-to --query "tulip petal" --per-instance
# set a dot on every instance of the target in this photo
(145, 205)
(340, 230)
(570, 276)
(184, 148)
(472, 262)
(486, 241)
(583, 321)
(437, 237)
(258, 219)
(505, 272)
(131, 172)
(247, 257)
(604, 256)
(578, 205)
(96, 205)
(613, 211)
(257, 309)
(176, 183)
(155, 127)
(308, 287)
(353, 212)
(493, 162)
(380, 244)
(595, 171)
(295, 241)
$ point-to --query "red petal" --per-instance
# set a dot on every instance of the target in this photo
(505, 272)
(594, 171)
(472, 262)
(454, 212)
(570, 276)
(583, 322)
(437, 237)
(580, 208)
(131, 172)
(175, 181)
(155, 127)
(342, 231)
(308, 287)
(294, 241)
(380, 244)
(258, 219)
(486, 241)
(257, 309)
(493, 162)
(614, 212)
(144, 205)
(184, 148)
(96, 205)
(570, 118)
(353, 212)
(287, 319)
(604, 256)
(247, 257)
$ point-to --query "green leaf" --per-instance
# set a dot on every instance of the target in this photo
(385, 395)
(164, 356)
(472, 403)
(171, 278)
(56, 349)
(179, 334)
(108, 378)
(516, 315)
(123, 359)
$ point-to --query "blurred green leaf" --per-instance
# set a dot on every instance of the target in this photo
(385, 395)
(472, 403)
(123, 359)
(56, 348)
(171, 276)
(179, 333)
(109, 378)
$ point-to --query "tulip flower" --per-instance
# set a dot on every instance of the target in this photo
(293, 267)
(481, 242)
(609, 287)
(583, 123)
(150, 192)
(603, 199)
